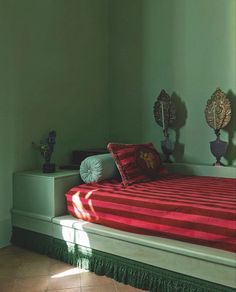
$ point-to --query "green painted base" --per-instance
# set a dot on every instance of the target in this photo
(5, 232)
(124, 270)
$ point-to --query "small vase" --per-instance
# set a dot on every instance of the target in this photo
(218, 149)
(167, 147)
(49, 167)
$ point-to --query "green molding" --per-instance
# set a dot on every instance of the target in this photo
(121, 269)
(31, 215)
(202, 170)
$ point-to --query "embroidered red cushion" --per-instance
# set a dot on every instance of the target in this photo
(136, 162)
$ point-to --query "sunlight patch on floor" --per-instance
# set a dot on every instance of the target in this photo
(70, 272)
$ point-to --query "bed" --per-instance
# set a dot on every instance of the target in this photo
(188, 251)
(200, 210)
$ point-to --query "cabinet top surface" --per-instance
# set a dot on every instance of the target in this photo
(59, 173)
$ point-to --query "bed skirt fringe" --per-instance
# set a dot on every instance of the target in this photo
(136, 274)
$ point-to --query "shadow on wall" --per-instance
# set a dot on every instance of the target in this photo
(230, 155)
(181, 117)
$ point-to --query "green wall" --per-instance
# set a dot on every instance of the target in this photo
(53, 75)
(92, 69)
(187, 47)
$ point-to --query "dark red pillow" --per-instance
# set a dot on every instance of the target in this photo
(136, 162)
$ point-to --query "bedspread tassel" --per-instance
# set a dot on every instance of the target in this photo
(130, 272)
(124, 270)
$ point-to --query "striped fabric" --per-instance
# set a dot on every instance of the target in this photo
(200, 210)
(136, 162)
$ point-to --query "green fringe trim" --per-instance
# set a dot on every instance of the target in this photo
(124, 270)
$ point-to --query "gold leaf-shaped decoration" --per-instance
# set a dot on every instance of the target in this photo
(164, 110)
(218, 110)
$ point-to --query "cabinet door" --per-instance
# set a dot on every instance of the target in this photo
(33, 194)
(42, 195)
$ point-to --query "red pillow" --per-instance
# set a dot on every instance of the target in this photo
(136, 162)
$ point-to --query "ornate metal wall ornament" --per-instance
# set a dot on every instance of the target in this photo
(218, 115)
(164, 111)
(165, 115)
(218, 110)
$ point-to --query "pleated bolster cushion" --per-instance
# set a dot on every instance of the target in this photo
(98, 168)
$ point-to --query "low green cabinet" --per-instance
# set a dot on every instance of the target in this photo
(42, 195)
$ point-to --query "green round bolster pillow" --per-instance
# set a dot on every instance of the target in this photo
(97, 168)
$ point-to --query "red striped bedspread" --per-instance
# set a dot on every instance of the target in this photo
(199, 210)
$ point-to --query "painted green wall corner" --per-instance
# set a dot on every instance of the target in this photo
(92, 69)
(188, 48)
(53, 75)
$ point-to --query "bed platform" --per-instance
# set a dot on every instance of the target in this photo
(143, 261)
